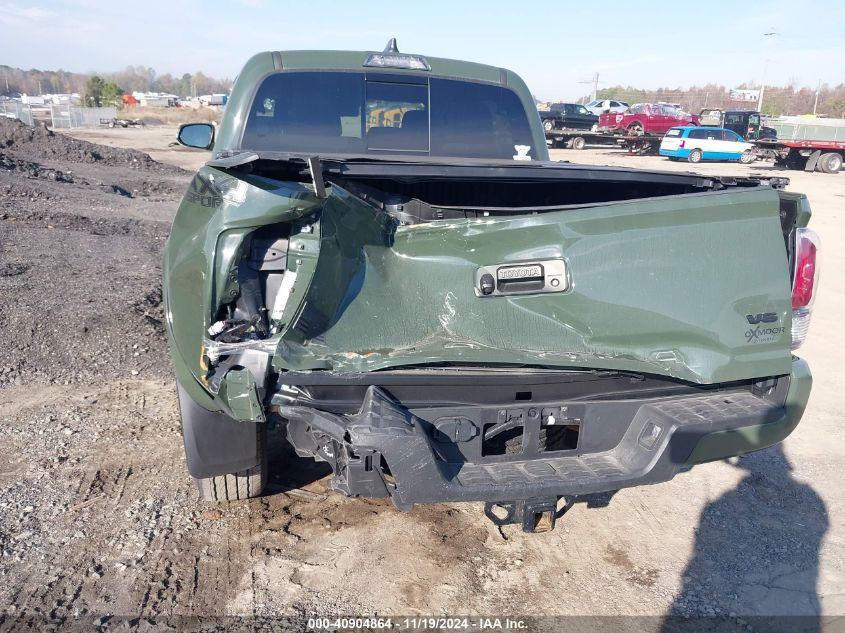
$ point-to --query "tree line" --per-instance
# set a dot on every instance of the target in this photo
(777, 100)
(14, 81)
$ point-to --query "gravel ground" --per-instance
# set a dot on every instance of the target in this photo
(99, 521)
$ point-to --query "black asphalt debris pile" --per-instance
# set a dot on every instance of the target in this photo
(38, 143)
(82, 228)
(32, 170)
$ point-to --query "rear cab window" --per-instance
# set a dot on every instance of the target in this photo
(352, 113)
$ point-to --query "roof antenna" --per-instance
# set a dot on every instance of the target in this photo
(391, 46)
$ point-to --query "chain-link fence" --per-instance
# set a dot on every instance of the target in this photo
(16, 110)
(60, 116)
(68, 116)
(57, 116)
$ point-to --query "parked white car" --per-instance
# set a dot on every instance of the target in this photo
(695, 144)
(606, 105)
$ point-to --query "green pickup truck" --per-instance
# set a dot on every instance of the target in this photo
(381, 257)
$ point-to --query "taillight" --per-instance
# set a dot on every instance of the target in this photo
(804, 283)
(682, 144)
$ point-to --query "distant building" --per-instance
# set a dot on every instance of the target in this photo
(155, 99)
(63, 98)
(32, 99)
(214, 100)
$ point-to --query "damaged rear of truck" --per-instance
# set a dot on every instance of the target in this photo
(381, 257)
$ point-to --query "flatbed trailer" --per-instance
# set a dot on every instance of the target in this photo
(578, 139)
(122, 122)
(809, 155)
(641, 144)
(571, 138)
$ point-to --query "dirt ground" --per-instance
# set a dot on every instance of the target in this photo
(159, 141)
(99, 519)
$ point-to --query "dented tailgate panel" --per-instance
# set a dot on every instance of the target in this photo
(658, 286)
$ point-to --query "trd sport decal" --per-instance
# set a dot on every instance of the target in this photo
(202, 191)
(211, 193)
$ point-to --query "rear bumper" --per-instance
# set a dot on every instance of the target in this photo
(409, 454)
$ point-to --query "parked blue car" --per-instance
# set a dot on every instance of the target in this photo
(705, 143)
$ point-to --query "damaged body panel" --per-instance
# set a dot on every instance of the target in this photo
(488, 327)
(650, 285)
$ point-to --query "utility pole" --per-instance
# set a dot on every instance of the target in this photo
(768, 37)
(816, 104)
(595, 82)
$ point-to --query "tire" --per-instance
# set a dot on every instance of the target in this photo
(636, 129)
(245, 484)
(830, 163)
(548, 125)
(795, 161)
(111, 123)
(747, 157)
(695, 156)
(579, 142)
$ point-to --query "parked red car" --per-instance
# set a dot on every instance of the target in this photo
(646, 118)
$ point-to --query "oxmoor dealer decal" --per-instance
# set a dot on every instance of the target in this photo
(763, 333)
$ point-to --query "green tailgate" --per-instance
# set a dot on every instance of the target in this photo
(660, 285)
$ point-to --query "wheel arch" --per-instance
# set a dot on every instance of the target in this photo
(215, 444)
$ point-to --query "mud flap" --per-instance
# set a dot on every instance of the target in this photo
(215, 444)
(813, 160)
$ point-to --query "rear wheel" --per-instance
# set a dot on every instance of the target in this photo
(548, 125)
(240, 485)
(695, 156)
(636, 129)
(747, 157)
(830, 163)
(579, 142)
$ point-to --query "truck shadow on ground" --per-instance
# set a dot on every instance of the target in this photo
(755, 560)
(756, 554)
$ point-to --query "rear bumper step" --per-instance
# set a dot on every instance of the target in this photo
(435, 454)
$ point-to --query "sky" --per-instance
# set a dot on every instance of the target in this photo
(554, 46)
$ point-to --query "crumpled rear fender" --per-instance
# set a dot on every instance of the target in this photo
(216, 213)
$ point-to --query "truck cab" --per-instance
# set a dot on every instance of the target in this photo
(748, 124)
(572, 116)
(646, 118)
